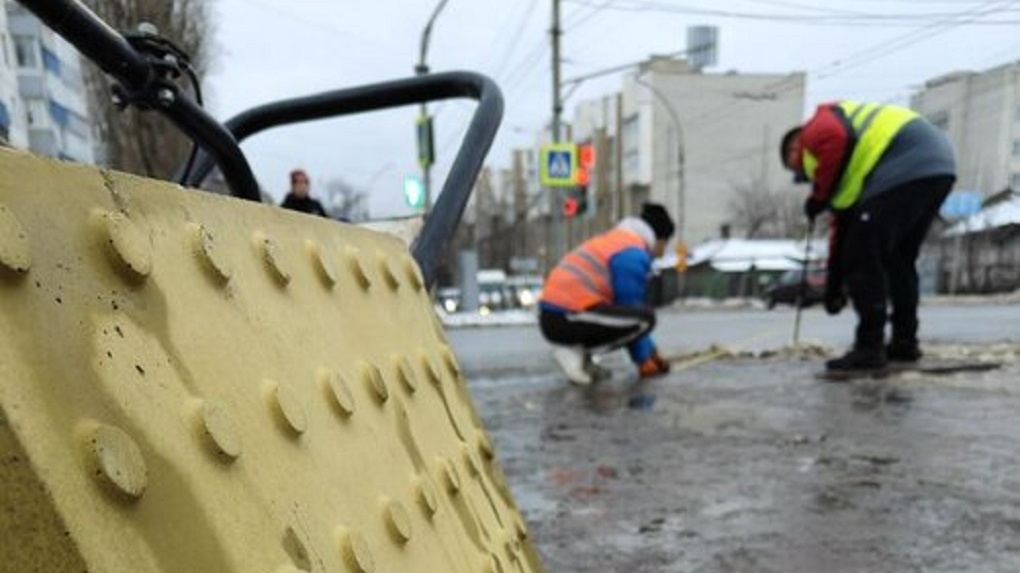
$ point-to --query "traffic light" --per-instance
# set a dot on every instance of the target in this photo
(426, 143)
(570, 206)
(575, 202)
(414, 191)
(582, 200)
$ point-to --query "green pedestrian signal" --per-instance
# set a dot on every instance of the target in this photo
(414, 191)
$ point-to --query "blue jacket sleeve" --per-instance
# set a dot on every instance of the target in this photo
(629, 271)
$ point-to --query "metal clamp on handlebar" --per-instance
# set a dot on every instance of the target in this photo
(167, 63)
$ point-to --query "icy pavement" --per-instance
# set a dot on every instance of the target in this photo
(737, 463)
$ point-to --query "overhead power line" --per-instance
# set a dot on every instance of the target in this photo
(828, 19)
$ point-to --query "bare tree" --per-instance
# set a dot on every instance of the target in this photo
(138, 141)
(754, 209)
(344, 201)
(792, 221)
(763, 212)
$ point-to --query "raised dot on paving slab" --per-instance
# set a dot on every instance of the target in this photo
(355, 551)
(218, 430)
(272, 258)
(286, 407)
(398, 522)
(209, 253)
(323, 263)
(127, 246)
(115, 460)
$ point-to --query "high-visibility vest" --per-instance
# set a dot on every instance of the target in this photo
(874, 127)
(582, 280)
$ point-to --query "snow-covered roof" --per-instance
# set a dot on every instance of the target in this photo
(998, 215)
(739, 255)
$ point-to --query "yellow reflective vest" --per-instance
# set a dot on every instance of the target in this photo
(874, 127)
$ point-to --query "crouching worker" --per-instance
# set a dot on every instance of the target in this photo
(593, 301)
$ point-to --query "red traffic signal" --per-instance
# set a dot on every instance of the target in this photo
(586, 155)
(571, 206)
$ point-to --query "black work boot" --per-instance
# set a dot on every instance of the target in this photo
(903, 350)
(859, 359)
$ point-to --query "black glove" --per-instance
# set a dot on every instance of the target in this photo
(835, 300)
(812, 207)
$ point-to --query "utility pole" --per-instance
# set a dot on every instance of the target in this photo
(559, 231)
(424, 125)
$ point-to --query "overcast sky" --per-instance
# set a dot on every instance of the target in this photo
(273, 49)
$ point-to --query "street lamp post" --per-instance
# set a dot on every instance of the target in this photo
(422, 69)
(680, 207)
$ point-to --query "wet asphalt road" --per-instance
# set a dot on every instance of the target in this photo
(751, 464)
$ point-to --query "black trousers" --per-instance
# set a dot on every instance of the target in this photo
(880, 242)
(599, 329)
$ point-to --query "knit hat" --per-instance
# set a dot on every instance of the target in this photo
(658, 219)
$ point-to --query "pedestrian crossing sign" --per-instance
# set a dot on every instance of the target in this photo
(558, 165)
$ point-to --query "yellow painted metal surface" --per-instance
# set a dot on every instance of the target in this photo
(191, 383)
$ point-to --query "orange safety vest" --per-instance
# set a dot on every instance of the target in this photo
(582, 280)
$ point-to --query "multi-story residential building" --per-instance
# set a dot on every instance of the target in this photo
(980, 112)
(693, 140)
(52, 98)
(12, 120)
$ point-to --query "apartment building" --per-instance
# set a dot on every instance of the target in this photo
(12, 120)
(980, 113)
(50, 100)
(693, 140)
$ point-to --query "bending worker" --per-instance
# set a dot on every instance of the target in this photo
(882, 171)
(593, 301)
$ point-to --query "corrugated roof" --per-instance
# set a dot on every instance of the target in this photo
(739, 255)
(998, 215)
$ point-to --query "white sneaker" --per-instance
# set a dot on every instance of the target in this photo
(598, 372)
(572, 360)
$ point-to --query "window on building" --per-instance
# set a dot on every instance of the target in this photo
(5, 122)
(36, 110)
(1016, 148)
(1014, 181)
(631, 146)
(1016, 114)
(60, 114)
(50, 61)
(940, 119)
(25, 52)
(7, 55)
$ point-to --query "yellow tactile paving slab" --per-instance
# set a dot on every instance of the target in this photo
(191, 383)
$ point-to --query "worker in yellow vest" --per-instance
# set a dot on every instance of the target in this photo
(593, 301)
(882, 171)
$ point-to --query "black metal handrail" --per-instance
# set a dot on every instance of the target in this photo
(441, 224)
(219, 143)
(115, 56)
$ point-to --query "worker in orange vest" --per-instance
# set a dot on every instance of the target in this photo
(593, 301)
(882, 171)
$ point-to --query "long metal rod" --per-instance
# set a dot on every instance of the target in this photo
(114, 55)
(802, 287)
(422, 69)
(442, 223)
(559, 246)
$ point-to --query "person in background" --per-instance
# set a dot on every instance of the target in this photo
(298, 199)
(882, 171)
(593, 301)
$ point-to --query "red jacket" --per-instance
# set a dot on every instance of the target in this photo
(827, 136)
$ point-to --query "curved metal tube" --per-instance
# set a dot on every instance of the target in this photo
(442, 222)
(111, 52)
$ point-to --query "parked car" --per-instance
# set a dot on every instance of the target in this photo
(785, 290)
